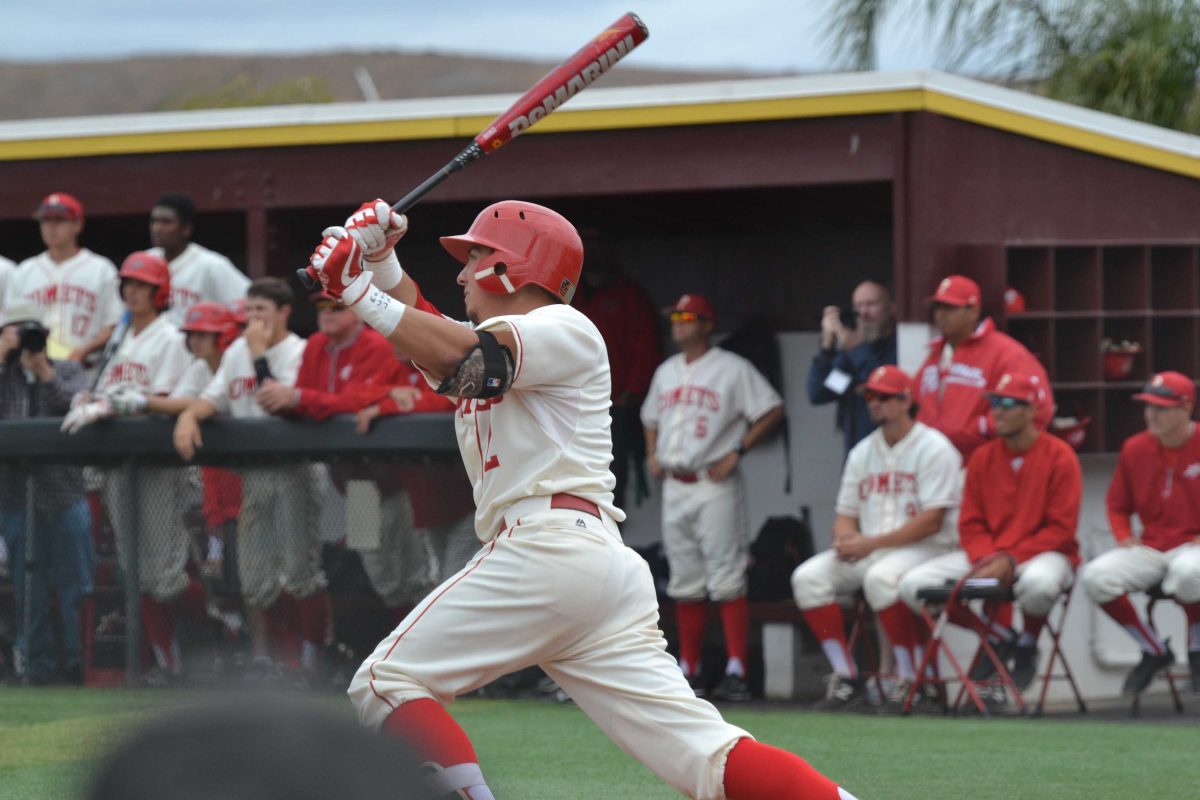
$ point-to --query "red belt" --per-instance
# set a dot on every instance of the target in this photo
(686, 477)
(573, 503)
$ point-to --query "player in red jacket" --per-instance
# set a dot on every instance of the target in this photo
(1020, 509)
(1157, 478)
(967, 358)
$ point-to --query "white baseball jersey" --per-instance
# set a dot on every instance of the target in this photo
(194, 379)
(233, 386)
(79, 297)
(550, 432)
(885, 486)
(702, 409)
(151, 361)
(200, 275)
(6, 268)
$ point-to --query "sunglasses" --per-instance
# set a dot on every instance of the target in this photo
(1006, 403)
(871, 396)
(326, 305)
(1161, 391)
(684, 316)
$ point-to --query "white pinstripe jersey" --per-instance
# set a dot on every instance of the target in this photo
(78, 297)
(200, 275)
(234, 385)
(152, 361)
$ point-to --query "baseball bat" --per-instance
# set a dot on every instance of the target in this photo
(110, 348)
(558, 86)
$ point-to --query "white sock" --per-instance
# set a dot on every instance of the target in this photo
(734, 666)
(904, 663)
(466, 778)
(839, 659)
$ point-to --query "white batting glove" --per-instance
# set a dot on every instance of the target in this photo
(84, 415)
(338, 263)
(376, 229)
(126, 400)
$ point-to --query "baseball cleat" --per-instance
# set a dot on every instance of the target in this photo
(1024, 667)
(732, 688)
(985, 670)
(842, 693)
(1150, 665)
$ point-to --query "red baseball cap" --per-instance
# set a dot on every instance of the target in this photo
(888, 379)
(1018, 386)
(956, 290)
(59, 205)
(696, 304)
(1168, 389)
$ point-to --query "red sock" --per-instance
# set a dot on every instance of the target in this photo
(735, 619)
(964, 617)
(829, 626)
(312, 615)
(281, 628)
(755, 771)
(1033, 627)
(900, 623)
(192, 601)
(434, 736)
(691, 618)
(1127, 617)
(160, 631)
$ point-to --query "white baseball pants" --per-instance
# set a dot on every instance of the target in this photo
(704, 538)
(1136, 568)
(162, 538)
(821, 579)
(1040, 581)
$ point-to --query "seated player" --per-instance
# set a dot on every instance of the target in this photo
(1157, 478)
(1020, 509)
(896, 509)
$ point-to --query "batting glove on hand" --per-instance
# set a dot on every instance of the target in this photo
(338, 264)
(85, 415)
(376, 228)
(127, 400)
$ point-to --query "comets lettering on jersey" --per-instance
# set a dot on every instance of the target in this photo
(895, 483)
(244, 386)
(689, 396)
(67, 294)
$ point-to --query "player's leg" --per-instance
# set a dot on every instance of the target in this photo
(1108, 580)
(1040, 582)
(686, 586)
(881, 586)
(295, 522)
(623, 678)
(720, 529)
(72, 567)
(257, 563)
(162, 560)
(1182, 582)
(816, 585)
(409, 548)
(455, 544)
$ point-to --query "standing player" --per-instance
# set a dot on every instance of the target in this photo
(896, 509)
(278, 543)
(75, 288)
(148, 362)
(553, 585)
(197, 273)
(1157, 478)
(968, 357)
(706, 407)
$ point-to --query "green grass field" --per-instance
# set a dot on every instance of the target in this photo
(532, 750)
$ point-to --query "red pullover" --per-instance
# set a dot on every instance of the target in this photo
(1161, 486)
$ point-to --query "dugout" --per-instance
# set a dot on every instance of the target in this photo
(774, 196)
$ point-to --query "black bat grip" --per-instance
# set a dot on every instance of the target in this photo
(471, 152)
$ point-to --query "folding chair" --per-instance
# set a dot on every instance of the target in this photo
(859, 613)
(992, 593)
(1153, 595)
(1054, 630)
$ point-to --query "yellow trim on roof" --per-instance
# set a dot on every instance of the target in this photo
(590, 119)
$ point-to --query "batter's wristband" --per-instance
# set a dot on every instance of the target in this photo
(387, 272)
(379, 310)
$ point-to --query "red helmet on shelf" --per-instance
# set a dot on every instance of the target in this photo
(148, 268)
(532, 244)
(212, 318)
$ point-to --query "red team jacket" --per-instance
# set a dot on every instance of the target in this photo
(953, 400)
(1023, 512)
(1161, 486)
(329, 376)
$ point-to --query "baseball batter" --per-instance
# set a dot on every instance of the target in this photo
(896, 509)
(75, 288)
(149, 360)
(553, 584)
(278, 547)
(197, 273)
(706, 407)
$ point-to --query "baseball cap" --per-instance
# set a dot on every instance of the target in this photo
(59, 205)
(1017, 385)
(696, 304)
(888, 379)
(21, 311)
(1168, 389)
(956, 290)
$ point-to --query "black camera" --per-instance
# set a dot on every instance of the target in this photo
(33, 337)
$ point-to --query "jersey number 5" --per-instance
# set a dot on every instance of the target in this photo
(701, 426)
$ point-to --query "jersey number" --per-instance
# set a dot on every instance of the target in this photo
(701, 427)
(473, 407)
(79, 325)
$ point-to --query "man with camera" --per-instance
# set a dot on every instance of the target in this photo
(60, 550)
(851, 349)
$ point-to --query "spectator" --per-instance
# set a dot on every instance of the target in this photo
(849, 355)
(1157, 478)
(6, 268)
(197, 273)
(967, 358)
(706, 408)
(625, 315)
(897, 509)
(1020, 509)
(278, 548)
(75, 288)
(33, 385)
(149, 361)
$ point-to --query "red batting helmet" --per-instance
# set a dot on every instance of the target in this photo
(149, 268)
(238, 309)
(212, 318)
(532, 245)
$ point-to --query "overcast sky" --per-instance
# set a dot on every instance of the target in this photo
(768, 35)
